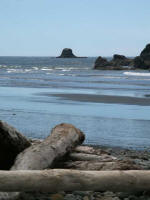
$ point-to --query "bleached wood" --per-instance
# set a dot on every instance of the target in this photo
(56, 180)
(41, 156)
(63, 139)
(91, 157)
(89, 150)
(103, 166)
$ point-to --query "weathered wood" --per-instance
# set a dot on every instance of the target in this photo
(41, 156)
(90, 157)
(63, 139)
(72, 180)
(12, 142)
(89, 150)
(103, 166)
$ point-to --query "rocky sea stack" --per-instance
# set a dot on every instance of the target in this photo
(119, 62)
(101, 63)
(67, 53)
(143, 61)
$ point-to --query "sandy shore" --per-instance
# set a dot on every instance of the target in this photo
(104, 99)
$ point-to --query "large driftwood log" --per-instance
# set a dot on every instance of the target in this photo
(41, 156)
(72, 180)
(12, 142)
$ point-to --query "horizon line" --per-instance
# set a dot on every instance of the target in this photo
(57, 56)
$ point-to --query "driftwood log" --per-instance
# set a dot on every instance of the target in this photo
(63, 139)
(90, 157)
(103, 166)
(56, 180)
(12, 142)
(89, 150)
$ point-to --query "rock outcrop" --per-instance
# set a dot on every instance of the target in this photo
(119, 57)
(119, 62)
(101, 63)
(143, 61)
(67, 53)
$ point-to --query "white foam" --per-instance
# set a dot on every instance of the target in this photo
(18, 70)
(11, 70)
(28, 70)
(66, 70)
(46, 69)
(136, 74)
(35, 68)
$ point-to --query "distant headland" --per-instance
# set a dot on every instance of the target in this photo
(67, 53)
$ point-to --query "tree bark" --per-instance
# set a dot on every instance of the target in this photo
(71, 180)
(12, 142)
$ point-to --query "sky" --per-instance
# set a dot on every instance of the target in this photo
(89, 27)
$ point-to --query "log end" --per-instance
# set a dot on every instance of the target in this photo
(66, 127)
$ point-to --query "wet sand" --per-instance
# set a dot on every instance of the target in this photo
(104, 99)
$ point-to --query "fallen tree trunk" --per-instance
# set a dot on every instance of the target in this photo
(12, 142)
(41, 156)
(71, 180)
(91, 157)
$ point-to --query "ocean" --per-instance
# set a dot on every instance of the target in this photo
(112, 108)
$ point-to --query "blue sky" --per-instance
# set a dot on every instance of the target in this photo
(89, 27)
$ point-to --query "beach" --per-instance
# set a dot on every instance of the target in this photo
(75, 100)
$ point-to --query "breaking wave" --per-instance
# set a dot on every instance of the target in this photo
(136, 74)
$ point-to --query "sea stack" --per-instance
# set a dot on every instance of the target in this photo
(119, 62)
(101, 63)
(143, 61)
(67, 53)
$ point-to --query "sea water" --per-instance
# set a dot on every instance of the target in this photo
(30, 101)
